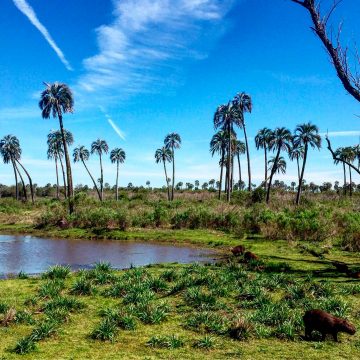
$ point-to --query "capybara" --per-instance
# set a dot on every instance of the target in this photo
(238, 250)
(354, 274)
(250, 256)
(342, 267)
(326, 323)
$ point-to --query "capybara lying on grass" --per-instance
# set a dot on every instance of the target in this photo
(248, 256)
(326, 323)
(342, 267)
(238, 250)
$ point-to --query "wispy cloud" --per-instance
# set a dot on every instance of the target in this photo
(29, 12)
(312, 80)
(342, 133)
(142, 47)
(112, 123)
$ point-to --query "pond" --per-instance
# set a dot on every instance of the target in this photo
(34, 255)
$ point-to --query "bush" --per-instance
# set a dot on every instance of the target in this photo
(57, 272)
(105, 331)
(169, 342)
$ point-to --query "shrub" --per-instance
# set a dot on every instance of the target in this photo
(24, 345)
(82, 286)
(169, 342)
(57, 272)
(240, 329)
(51, 288)
(105, 331)
(207, 342)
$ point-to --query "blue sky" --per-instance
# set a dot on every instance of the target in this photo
(151, 67)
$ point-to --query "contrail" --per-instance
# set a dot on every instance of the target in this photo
(116, 129)
(29, 12)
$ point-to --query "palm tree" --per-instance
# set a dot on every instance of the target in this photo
(82, 154)
(117, 156)
(340, 154)
(243, 104)
(305, 135)
(172, 141)
(164, 155)
(218, 145)
(262, 142)
(280, 140)
(280, 166)
(99, 147)
(52, 154)
(56, 100)
(55, 141)
(239, 148)
(297, 153)
(349, 155)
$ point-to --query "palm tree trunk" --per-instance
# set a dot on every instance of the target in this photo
(173, 177)
(30, 181)
(266, 169)
(232, 174)
(272, 174)
(350, 181)
(240, 180)
(63, 174)
(22, 181)
(344, 179)
(302, 175)
(248, 157)
(70, 190)
(117, 180)
(221, 171)
(57, 179)
(167, 182)
(298, 167)
(93, 180)
(101, 179)
(16, 181)
(228, 165)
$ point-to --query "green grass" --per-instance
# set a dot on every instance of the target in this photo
(224, 311)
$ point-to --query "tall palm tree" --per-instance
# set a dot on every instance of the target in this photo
(117, 156)
(99, 147)
(243, 104)
(164, 155)
(280, 166)
(239, 149)
(55, 141)
(56, 100)
(218, 145)
(305, 135)
(280, 141)
(82, 154)
(340, 153)
(297, 153)
(172, 141)
(262, 139)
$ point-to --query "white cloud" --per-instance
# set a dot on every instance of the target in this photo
(29, 12)
(342, 133)
(141, 49)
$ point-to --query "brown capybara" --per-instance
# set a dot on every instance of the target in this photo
(342, 267)
(354, 274)
(248, 256)
(238, 250)
(326, 323)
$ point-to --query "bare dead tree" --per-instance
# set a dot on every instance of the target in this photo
(350, 78)
(339, 159)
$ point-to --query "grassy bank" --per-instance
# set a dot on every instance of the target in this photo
(223, 311)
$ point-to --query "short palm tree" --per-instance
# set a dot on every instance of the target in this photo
(305, 135)
(218, 145)
(243, 104)
(99, 147)
(117, 156)
(239, 149)
(172, 141)
(262, 139)
(280, 141)
(52, 154)
(82, 154)
(349, 155)
(164, 155)
(280, 166)
(297, 153)
(340, 154)
(56, 100)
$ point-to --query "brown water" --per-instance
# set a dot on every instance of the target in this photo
(34, 255)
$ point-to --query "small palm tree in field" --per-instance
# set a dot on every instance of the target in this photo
(297, 153)
(164, 155)
(172, 141)
(280, 141)
(280, 166)
(117, 156)
(262, 139)
(56, 100)
(218, 145)
(340, 154)
(305, 135)
(99, 147)
(82, 154)
(239, 149)
(349, 155)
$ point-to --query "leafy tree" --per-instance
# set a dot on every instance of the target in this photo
(262, 140)
(82, 154)
(197, 184)
(172, 141)
(99, 147)
(305, 135)
(204, 186)
(118, 156)
(148, 183)
(56, 100)
(164, 155)
(280, 141)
